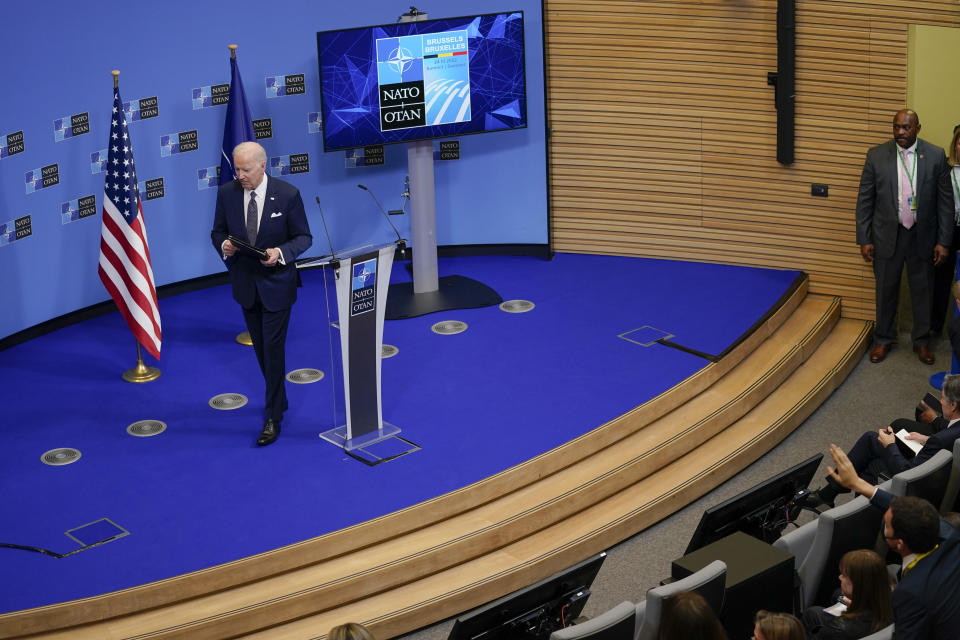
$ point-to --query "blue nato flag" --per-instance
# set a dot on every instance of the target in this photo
(238, 126)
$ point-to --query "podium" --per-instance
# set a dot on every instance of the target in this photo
(362, 281)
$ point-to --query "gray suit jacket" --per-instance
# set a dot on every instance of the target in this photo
(877, 217)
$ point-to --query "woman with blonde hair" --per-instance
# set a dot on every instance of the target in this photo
(350, 631)
(777, 626)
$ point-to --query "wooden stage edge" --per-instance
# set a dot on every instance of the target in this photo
(441, 557)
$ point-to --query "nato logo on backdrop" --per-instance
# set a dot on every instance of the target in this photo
(263, 128)
(151, 189)
(288, 85)
(212, 95)
(287, 165)
(181, 142)
(363, 286)
(141, 109)
(71, 126)
(314, 122)
(368, 156)
(98, 161)
(13, 230)
(42, 178)
(208, 177)
(78, 209)
(11, 144)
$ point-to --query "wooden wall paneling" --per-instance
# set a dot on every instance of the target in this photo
(663, 130)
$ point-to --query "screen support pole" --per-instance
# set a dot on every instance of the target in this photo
(423, 214)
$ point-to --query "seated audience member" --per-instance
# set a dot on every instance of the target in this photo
(926, 602)
(687, 616)
(777, 626)
(877, 452)
(350, 631)
(865, 590)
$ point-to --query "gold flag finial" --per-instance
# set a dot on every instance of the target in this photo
(233, 50)
(115, 73)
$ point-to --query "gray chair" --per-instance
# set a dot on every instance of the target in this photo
(709, 582)
(884, 634)
(928, 480)
(950, 502)
(818, 545)
(619, 623)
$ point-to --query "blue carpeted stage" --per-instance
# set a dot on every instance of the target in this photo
(509, 388)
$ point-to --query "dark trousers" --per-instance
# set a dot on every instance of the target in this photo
(268, 331)
(887, 273)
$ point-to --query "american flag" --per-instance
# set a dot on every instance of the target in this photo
(124, 255)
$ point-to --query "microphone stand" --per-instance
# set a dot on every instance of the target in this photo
(400, 241)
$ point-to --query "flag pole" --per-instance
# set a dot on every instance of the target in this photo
(244, 336)
(141, 372)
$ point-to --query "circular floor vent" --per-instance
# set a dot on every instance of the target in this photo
(59, 457)
(449, 327)
(305, 376)
(227, 401)
(388, 351)
(146, 428)
(516, 306)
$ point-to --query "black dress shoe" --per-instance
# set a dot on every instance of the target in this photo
(271, 429)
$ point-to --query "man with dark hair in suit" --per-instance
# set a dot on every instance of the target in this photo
(904, 217)
(269, 214)
(876, 452)
(925, 602)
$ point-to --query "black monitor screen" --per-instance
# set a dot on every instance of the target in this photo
(762, 511)
(535, 611)
(422, 79)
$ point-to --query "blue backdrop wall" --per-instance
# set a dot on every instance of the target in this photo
(55, 115)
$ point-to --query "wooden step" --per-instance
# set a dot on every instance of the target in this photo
(609, 521)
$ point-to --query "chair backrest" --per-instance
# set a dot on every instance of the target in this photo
(884, 634)
(927, 480)
(709, 582)
(950, 502)
(853, 525)
(619, 623)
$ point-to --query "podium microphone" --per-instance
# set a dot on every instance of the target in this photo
(400, 241)
(333, 257)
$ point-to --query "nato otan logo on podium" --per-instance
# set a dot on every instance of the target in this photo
(363, 287)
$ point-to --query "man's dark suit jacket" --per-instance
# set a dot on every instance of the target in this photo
(283, 224)
(943, 439)
(926, 603)
(878, 220)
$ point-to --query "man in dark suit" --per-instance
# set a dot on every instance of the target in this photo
(877, 451)
(904, 216)
(269, 214)
(925, 601)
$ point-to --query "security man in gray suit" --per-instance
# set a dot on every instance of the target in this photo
(904, 216)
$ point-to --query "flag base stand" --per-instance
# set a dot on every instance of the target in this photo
(141, 372)
(244, 339)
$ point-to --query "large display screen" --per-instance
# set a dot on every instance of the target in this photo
(422, 79)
